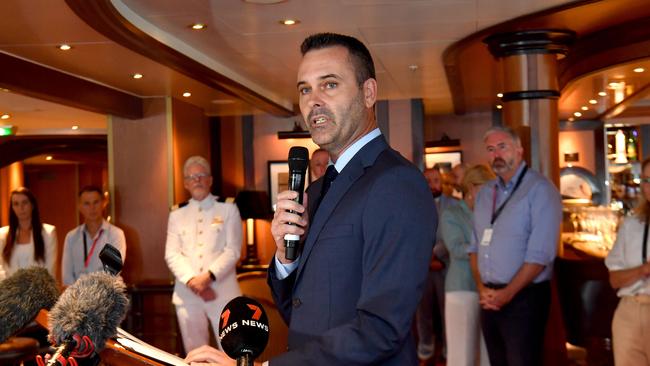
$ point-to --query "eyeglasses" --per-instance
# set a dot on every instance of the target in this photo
(196, 176)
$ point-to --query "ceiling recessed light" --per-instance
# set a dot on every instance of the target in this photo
(198, 26)
(571, 119)
(413, 67)
(49, 157)
(65, 47)
(593, 101)
(290, 22)
(5, 116)
(500, 95)
(639, 69)
(602, 94)
(75, 127)
(137, 76)
(499, 106)
(187, 94)
(577, 114)
(584, 108)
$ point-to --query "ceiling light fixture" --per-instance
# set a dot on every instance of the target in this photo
(290, 22)
(593, 101)
(499, 95)
(48, 158)
(577, 114)
(584, 108)
(602, 94)
(639, 69)
(5, 116)
(571, 119)
(65, 47)
(137, 76)
(75, 127)
(198, 26)
(187, 94)
(499, 106)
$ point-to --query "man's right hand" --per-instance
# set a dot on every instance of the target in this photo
(280, 226)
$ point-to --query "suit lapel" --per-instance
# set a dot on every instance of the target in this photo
(350, 174)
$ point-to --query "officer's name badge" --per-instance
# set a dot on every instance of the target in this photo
(217, 220)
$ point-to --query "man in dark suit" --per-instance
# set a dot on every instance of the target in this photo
(350, 296)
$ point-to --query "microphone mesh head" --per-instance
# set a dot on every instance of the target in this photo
(22, 295)
(298, 159)
(243, 328)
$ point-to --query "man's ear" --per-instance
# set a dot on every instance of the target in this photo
(370, 92)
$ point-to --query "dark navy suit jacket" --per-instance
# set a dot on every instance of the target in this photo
(352, 298)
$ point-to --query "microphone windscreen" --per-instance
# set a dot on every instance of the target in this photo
(244, 328)
(298, 159)
(94, 306)
(22, 295)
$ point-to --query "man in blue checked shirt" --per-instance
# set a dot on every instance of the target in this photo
(516, 229)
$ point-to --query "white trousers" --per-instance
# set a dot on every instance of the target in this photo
(193, 323)
(631, 331)
(465, 344)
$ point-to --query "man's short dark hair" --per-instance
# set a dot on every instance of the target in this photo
(359, 54)
(91, 189)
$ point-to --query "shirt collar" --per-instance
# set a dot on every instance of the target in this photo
(353, 149)
(512, 180)
(206, 203)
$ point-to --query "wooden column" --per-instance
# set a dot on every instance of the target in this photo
(530, 91)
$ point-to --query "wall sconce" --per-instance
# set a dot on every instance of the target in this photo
(252, 205)
(297, 133)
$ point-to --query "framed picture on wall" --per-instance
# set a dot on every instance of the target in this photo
(278, 179)
(444, 160)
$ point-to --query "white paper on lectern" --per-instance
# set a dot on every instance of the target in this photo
(138, 346)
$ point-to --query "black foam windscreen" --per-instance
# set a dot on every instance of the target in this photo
(298, 159)
(22, 295)
(243, 328)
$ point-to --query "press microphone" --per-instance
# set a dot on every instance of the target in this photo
(298, 161)
(243, 330)
(86, 315)
(22, 295)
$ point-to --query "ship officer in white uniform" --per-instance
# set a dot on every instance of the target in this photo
(204, 239)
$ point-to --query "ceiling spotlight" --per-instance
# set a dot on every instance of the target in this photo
(639, 69)
(593, 101)
(75, 127)
(290, 22)
(48, 158)
(187, 94)
(584, 108)
(499, 95)
(499, 106)
(198, 26)
(65, 47)
(577, 114)
(137, 76)
(5, 116)
(602, 94)
(571, 119)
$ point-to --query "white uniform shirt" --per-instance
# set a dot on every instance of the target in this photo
(73, 262)
(202, 236)
(23, 254)
(626, 253)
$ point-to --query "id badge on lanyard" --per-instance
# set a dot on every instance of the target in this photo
(487, 237)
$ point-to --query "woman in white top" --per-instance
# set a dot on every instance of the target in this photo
(629, 270)
(26, 241)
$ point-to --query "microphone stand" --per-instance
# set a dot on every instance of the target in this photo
(245, 359)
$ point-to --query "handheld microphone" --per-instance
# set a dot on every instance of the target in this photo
(111, 259)
(243, 330)
(298, 161)
(86, 315)
(22, 295)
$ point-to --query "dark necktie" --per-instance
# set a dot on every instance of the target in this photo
(328, 178)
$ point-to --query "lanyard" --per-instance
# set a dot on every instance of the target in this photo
(496, 214)
(645, 240)
(87, 255)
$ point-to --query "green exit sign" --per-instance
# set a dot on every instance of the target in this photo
(7, 130)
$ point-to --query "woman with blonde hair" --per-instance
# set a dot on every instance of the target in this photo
(26, 241)
(628, 272)
(465, 345)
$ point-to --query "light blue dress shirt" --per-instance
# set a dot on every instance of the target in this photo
(527, 230)
(456, 228)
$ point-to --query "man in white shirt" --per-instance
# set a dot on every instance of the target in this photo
(84, 243)
(204, 239)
